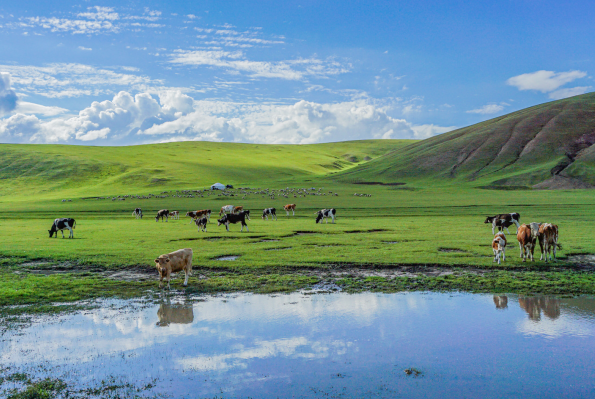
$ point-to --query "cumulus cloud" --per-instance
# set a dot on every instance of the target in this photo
(32, 108)
(177, 116)
(565, 93)
(487, 109)
(544, 81)
(236, 61)
(8, 97)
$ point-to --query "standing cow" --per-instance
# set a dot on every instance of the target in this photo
(272, 212)
(60, 225)
(201, 223)
(226, 209)
(177, 261)
(233, 218)
(526, 241)
(548, 240)
(503, 221)
(164, 213)
(324, 214)
(290, 207)
(499, 247)
(138, 213)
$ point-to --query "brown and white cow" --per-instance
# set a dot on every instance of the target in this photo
(177, 261)
(548, 240)
(163, 213)
(198, 214)
(499, 247)
(174, 215)
(503, 221)
(290, 207)
(526, 241)
(237, 209)
(226, 209)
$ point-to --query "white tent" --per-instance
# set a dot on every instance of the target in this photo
(218, 186)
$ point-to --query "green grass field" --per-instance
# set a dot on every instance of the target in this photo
(421, 226)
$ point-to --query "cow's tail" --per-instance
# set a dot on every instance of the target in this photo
(74, 224)
(559, 246)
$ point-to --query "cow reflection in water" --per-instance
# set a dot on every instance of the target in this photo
(178, 313)
(501, 301)
(535, 305)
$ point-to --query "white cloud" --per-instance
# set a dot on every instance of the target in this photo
(85, 48)
(570, 92)
(487, 109)
(544, 81)
(425, 131)
(8, 97)
(74, 26)
(236, 61)
(32, 108)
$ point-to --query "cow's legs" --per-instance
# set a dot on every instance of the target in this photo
(504, 254)
(187, 273)
(493, 227)
(227, 226)
(507, 230)
(71, 235)
(62, 231)
(521, 247)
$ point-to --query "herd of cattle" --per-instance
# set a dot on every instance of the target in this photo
(527, 236)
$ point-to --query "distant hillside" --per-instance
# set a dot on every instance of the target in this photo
(546, 146)
(60, 171)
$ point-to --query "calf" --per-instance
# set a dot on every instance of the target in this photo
(526, 241)
(201, 223)
(272, 212)
(138, 213)
(61, 224)
(548, 240)
(198, 214)
(226, 209)
(290, 207)
(164, 213)
(237, 209)
(233, 218)
(499, 247)
(324, 214)
(177, 261)
(503, 221)
(175, 215)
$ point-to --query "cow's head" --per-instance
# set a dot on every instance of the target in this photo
(221, 221)
(157, 218)
(490, 219)
(319, 216)
(247, 213)
(161, 264)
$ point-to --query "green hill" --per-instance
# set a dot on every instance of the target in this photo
(545, 146)
(59, 171)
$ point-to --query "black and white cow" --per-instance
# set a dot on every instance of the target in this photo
(233, 218)
(60, 225)
(324, 214)
(272, 212)
(201, 223)
(504, 221)
(164, 213)
(138, 213)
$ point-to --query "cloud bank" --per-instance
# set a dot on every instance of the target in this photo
(550, 82)
(8, 97)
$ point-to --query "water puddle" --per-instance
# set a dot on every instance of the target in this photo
(324, 345)
(227, 257)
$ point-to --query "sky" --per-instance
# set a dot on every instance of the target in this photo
(298, 72)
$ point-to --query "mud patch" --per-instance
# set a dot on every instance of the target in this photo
(584, 260)
(354, 271)
(390, 242)
(365, 231)
(452, 250)
(278, 249)
(271, 240)
(302, 233)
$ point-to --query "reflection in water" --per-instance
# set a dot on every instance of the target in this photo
(535, 305)
(501, 301)
(176, 314)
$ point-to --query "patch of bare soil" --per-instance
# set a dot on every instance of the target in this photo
(559, 182)
(584, 261)
(449, 250)
(390, 272)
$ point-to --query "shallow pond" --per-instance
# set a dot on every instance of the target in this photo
(322, 345)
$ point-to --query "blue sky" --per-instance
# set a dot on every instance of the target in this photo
(128, 72)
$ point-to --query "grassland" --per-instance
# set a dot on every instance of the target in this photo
(406, 237)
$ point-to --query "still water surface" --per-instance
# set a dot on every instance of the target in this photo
(324, 345)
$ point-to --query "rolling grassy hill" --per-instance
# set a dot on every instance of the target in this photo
(546, 146)
(52, 171)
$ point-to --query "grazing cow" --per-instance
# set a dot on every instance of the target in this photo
(233, 218)
(201, 223)
(61, 224)
(526, 241)
(272, 212)
(138, 213)
(290, 207)
(164, 213)
(177, 261)
(237, 209)
(548, 240)
(324, 214)
(226, 209)
(499, 247)
(198, 214)
(503, 221)
(175, 215)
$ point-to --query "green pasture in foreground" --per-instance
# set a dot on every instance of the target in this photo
(441, 226)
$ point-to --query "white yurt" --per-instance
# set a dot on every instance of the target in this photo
(218, 186)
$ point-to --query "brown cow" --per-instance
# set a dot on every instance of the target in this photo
(174, 215)
(499, 247)
(548, 240)
(526, 241)
(237, 209)
(290, 207)
(177, 261)
(198, 214)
